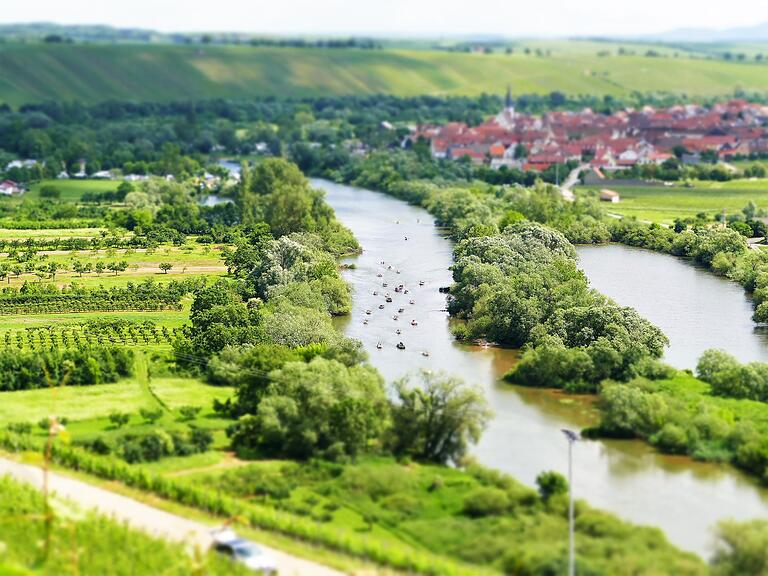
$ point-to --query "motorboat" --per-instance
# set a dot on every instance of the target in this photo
(365, 321)
(397, 271)
(384, 284)
(400, 346)
(389, 267)
(379, 275)
(411, 302)
(375, 292)
(381, 306)
(421, 282)
(398, 331)
(400, 310)
(395, 317)
(367, 311)
(379, 346)
(406, 238)
(425, 353)
(389, 299)
(405, 291)
(414, 323)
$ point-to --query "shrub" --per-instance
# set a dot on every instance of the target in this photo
(486, 502)
(119, 419)
(189, 412)
(151, 416)
(551, 484)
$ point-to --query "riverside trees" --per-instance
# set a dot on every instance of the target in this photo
(523, 287)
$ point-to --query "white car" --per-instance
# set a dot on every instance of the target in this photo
(243, 551)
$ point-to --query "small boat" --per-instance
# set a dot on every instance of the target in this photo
(389, 299)
(395, 317)
(400, 346)
(400, 310)
(411, 302)
(425, 353)
(384, 284)
(421, 282)
(382, 262)
(367, 311)
(414, 323)
(375, 292)
(397, 271)
(381, 306)
(379, 346)
(406, 238)
(405, 291)
(378, 275)
(365, 321)
(389, 267)
(398, 331)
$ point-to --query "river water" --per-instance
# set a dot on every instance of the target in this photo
(694, 308)
(682, 497)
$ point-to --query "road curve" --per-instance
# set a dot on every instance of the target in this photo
(146, 518)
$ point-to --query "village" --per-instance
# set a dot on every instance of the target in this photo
(627, 138)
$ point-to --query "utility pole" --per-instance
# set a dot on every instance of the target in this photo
(572, 438)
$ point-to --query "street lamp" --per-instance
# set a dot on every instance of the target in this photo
(572, 437)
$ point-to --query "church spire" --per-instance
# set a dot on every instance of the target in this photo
(508, 100)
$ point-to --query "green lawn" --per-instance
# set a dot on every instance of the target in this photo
(94, 403)
(169, 318)
(12, 234)
(665, 204)
(97, 72)
(73, 190)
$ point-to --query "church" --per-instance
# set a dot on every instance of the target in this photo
(506, 118)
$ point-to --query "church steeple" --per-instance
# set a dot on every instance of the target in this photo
(508, 103)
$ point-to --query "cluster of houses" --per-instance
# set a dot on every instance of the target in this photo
(606, 142)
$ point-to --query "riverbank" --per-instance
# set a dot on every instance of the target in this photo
(627, 477)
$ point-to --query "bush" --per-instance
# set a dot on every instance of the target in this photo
(151, 416)
(119, 419)
(551, 484)
(189, 412)
(486, 502)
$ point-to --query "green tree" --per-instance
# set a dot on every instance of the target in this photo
(741, 548)
(165, 267)
(436, 417)
(550, 484)
(322, 408)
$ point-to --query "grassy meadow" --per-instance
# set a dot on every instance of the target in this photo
(73, 190)
(98, 72)
(664, 204)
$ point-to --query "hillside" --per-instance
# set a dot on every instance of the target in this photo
(97, 72)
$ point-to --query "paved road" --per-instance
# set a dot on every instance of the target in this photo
(151, 520)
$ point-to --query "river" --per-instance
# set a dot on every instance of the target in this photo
(524, 438)
(694, 308)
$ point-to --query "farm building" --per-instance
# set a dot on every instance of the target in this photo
(9, 187)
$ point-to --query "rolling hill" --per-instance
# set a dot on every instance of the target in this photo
(95, 72)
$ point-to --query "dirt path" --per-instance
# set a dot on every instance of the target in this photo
(151, 520)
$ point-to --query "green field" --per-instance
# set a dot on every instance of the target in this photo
(664, 204)
(94, 403)
(97, 72)
(73, 190)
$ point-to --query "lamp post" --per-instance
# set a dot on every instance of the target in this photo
(572, 438)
